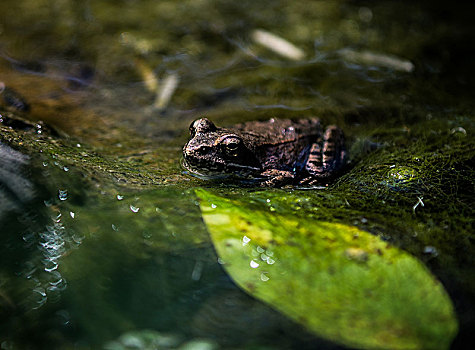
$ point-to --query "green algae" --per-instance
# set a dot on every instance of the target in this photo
(148, 169)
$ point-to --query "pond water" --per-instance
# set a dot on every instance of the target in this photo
(103, 244)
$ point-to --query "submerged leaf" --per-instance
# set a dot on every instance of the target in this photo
(342, 283)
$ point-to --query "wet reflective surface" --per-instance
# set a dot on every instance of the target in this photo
(102, 240)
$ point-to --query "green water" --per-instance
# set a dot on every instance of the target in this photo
(109, 249)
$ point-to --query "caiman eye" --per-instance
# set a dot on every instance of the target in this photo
(231, 145)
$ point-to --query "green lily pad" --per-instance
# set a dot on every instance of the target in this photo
(342, 283)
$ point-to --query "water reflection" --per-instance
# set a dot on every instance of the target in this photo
(34, 240)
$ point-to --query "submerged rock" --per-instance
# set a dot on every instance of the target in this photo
(16, 189)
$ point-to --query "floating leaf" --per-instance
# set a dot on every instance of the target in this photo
(342, 283)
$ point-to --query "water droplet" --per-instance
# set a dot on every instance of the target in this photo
(65, 168)
(245, 240)
(134, 209)
(72, 214)
(40, 291)
(78, 145)
(50, 265)
(213, 206)
(56, 283)
(254, 264)
(63, 195)
(264, 277)
(77, 238)
(120, 197)
(40, 298)
(260, 250)
(197, 270)
(459, 130)
(54, 293)
(115, 228)
(64, 316)
(270, 261)
(268, 200)
(430, 250)
(45, 163)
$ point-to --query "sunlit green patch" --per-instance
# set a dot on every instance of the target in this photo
(342, 283)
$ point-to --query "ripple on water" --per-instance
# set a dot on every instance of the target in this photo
(43, 272)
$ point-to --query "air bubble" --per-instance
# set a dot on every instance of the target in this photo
(63, 195)
(51, 265)
(430, 250)
(77, 238)
(459, 130)
(254, 264)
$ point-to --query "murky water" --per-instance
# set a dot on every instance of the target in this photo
(103, 244)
